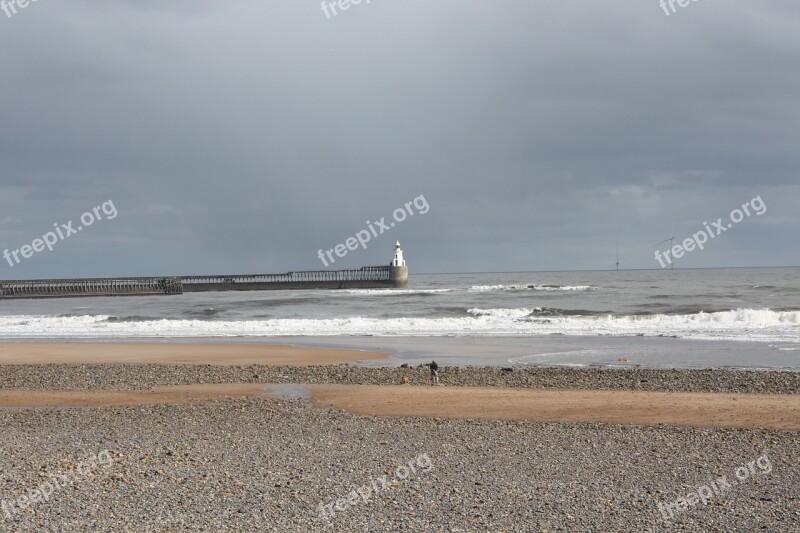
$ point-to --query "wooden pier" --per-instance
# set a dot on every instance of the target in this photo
(366, 277)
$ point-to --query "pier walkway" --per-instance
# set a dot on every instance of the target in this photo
(366, 277)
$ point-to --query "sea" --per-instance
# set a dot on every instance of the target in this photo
(741, 318)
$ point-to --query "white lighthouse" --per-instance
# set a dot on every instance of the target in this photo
(398, 260)
(398, 271)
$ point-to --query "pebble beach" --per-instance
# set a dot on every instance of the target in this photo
(274, 464)
(144, 376)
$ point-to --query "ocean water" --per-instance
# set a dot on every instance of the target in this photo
(584, 318)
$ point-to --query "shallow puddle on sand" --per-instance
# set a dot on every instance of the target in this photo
(287, 391)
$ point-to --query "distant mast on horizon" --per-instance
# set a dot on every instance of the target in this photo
(671, 241)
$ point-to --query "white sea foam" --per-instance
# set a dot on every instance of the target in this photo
(474, 288)
(740, 324)
(531, 287)
(504, 313)
(387, 292)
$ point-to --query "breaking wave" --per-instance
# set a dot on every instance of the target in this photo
(739, 324)
(491, 288)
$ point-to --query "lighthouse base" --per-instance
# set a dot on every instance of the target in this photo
(398, 275)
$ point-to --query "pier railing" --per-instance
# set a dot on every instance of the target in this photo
(375, 276)
(374, 273)
(88, 287)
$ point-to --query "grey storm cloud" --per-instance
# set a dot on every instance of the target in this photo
(243, 136)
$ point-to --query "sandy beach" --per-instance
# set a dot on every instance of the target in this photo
(608, 407)
(204, 437)
(469, 403)
(83, 353)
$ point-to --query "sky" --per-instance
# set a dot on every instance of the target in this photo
(245, 136)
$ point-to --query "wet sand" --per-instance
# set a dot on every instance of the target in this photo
(708, 408)
(86, 353)
(742, 411)
(610, 407)
(176, 394)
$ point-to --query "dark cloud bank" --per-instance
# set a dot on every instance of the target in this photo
(243, 136)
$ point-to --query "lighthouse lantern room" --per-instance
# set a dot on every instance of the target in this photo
(398, 260)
